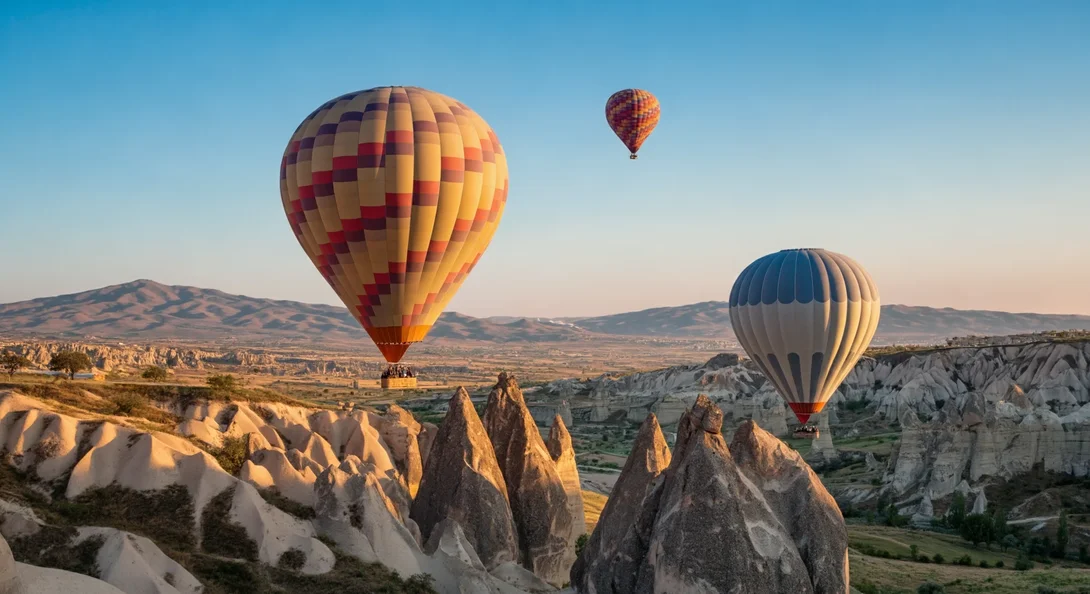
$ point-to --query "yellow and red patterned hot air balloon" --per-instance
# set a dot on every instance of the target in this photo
(633, 114)
(394, 194)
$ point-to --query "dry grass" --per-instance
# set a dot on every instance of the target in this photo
(593, 504)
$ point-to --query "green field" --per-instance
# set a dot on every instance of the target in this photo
(875, 575)
(898, 542)
(871, 575)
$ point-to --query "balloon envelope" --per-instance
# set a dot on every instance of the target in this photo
(632, 114)
(394, 193)
(805, 316)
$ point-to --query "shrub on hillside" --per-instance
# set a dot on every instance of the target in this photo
(1023, 563)
(232, 455)
(930, 588)
(222, 383)
(127, 403)
(154, 373)
(292, 559)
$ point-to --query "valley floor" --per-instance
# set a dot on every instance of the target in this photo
(873, 575)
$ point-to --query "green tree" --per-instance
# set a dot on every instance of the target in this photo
(1062, 536)
(154, 373)
(222, 383)
(895, 519)
(956, 513)
(914, 551)
(11, 362)
(976, 528)
(999, 525)
(580, 544)
(70, 362)
(1023, 563)
(1009, 541)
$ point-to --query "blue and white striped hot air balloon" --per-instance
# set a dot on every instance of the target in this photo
(805, 316)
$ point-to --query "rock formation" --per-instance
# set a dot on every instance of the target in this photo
(462, 482)
(356, 504)
(711, 524)
(648, 459)
(9, 573)
(800, 501)
(424, 441)
(539, 502)
(400, 431)
(981, 440)
(563, 454)
(1054, 375)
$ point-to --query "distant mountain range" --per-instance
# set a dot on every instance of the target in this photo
(150, 311)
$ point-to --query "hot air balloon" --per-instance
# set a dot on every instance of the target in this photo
(804, 316)
(394, 193)
(633, 114)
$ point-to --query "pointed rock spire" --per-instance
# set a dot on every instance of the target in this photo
(463, 482)
(802, 504)
(648, 459)
(560, 448)
(539, 502)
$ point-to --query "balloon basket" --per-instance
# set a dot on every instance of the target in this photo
(398, 377)
(633, 156)
(807, 432)
(398, 383)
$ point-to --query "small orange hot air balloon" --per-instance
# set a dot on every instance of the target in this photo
(394, 193)
(633, 114)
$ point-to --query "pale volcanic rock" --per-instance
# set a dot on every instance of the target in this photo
(709, 523)
(354, 512)
(539, 502)
(980, 504)
(44, 579)
(135, 564)
(424, 441)
(10, 583)
(316, 448)
(802, 504)
(648, 459)
(271, 469)
(463, 483)
(714, 530)
(399, 432)
(109, 454)
(562, 453)
(822, 446)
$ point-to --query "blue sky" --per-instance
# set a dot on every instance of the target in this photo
(944, 145)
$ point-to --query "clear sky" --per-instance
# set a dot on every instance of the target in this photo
(945, 145)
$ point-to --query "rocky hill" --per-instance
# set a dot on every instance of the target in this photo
(712, 518)
(186, 495)
(149, 311)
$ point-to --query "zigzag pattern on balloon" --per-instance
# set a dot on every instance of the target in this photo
(394, 193)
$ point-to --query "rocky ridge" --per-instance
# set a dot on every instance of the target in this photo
(336, 464)
(716, 519)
